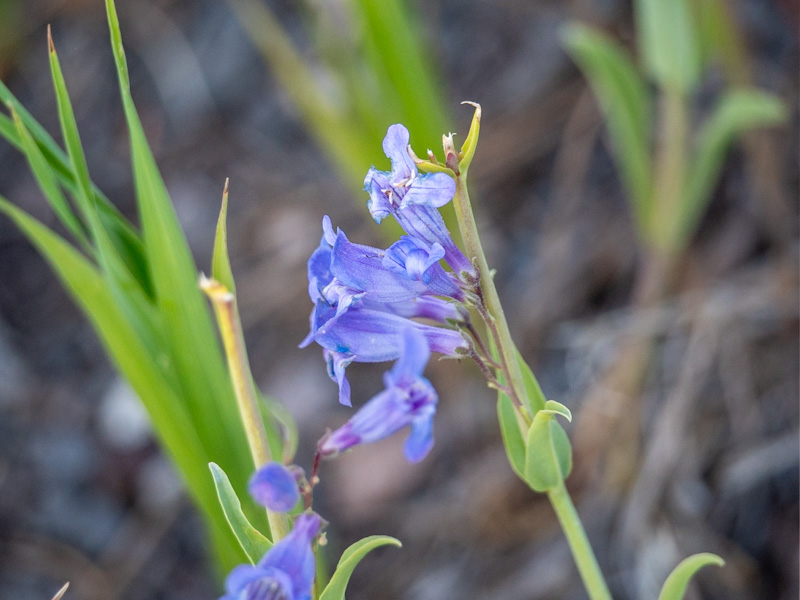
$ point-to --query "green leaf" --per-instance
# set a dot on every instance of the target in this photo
(511, 430)
(123, 236)
(677, 582)
(220, 260)
(627, 106)
(668, 44)
(471, 142)
(352, 556)
(48, 182)
(193, 346)
(136, 362)
(252, 541)
(556, 408)
(533, 390)
(735, 113)
(548, 455)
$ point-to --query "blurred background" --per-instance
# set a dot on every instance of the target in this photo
(85, 494)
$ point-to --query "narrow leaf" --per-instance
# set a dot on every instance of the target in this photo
(47, 181)
(350, 558)
(220, 261)
(193, 345)
(677, 582)
(736, 112)
(626, 104)
(252, 541)
(510, 429)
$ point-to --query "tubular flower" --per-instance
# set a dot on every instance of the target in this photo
(408, 400)
(285, 573)
(365, 297)
(413, 198)
(275, 487)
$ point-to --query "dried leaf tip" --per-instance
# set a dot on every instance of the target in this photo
(51, 47)
(60, 593)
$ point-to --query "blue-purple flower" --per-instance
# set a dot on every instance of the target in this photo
(364, 299)
(413, 198)
(408, 400)
(285, 573)
(275, 487)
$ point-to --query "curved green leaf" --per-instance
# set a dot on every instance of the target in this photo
(350, 558)
(556, 408)
(253, 542)
(548, 454)
(677, 582)
(626, 102)
(736, 112)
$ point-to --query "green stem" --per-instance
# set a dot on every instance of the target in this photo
(671, 172)
(246, 397)
(495, 317)
(582, 552)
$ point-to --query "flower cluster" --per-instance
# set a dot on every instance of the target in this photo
(367, 301)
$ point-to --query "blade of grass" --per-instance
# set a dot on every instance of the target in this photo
(194, 348)
(91, 293)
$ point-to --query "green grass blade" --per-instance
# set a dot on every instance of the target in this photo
(91, 293)
(48, 183)
(395, 51)
(626, 103)
(220, 259)
(123, 236)
(194, 348)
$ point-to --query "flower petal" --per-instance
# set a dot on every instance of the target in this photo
(430, 189)
(395, 146)
(414, 357)
(294, 555)
(420, 441)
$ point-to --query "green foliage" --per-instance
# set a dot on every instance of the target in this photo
(736, 112)
(677, 582)
(511, 427)
(347, 563)
(548, 454)
(627, 106)
(252, 541)
(140, 293)
(377, 64)
(668, 45)
(676, 40)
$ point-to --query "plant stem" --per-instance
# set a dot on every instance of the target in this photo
(246, 398)
(494, 316)
(666, 219)
(582, 552)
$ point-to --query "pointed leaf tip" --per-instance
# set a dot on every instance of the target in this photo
(677, 582)
(556, 408)
(50, 45)
(347, 563)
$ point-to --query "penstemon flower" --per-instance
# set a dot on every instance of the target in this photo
(285, 573)
(413, 198)
(275, 487)
(365, 297)
(408, 400)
